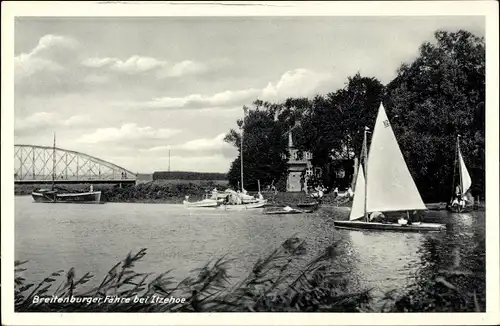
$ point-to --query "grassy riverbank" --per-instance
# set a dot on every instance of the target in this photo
(172, 192)
(271, 285)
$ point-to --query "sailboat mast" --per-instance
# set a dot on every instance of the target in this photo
(54, 161)
(459, 170)
(365, 154)
(241, 145)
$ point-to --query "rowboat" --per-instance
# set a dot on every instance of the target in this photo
(285, 210)
(308, 205)
(388, 187)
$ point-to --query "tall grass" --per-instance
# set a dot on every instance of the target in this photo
(271, 286)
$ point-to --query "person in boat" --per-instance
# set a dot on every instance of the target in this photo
(335, 192)
(377, 217)
(463, 201)
(214, 194)
(403, 221)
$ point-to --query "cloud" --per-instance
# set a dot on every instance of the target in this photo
(203, 146)
(139, 64)
(293, 83)
(129, 132)
(222, 99)
(52, 55)
(59, 63)
(297, 83)
(41, 121)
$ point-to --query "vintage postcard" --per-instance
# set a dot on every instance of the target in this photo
(250, 163)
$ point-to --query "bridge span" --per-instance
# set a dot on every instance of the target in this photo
(42, 164)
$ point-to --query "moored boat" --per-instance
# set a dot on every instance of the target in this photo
(206, 202)
(388, 186)
(58, 195)
(285, 210)
(308, 205)
(258, 204)
(55, 196)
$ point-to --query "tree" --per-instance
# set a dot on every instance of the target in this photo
(264, 148)
(334, 124)
(440, 95)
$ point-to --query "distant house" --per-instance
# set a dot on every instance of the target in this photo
(298, 167)
(339, 173)
(342, 168)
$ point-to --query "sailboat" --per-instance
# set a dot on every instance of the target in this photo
(241, 200)
(56, 195)
(462, 201)
(384, 185)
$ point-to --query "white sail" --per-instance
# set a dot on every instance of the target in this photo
(464, 174)
(390, 184)
(358, 204)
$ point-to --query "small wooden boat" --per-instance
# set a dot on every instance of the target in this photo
(56, 196)
(388, 187)
(308, 205)
(462, 201)
(285, 210)
(202, 203)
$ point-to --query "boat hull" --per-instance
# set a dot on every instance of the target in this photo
(436, 206)
(93, 197)
(285, 212)
(458, 209)
(415, 227)
(258, 204)
(307, 205)
(202, 203)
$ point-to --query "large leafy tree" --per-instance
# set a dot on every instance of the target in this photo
(431, 101)
(264, 148)
(333, 126)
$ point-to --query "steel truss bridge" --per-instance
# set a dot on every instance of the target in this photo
(42, 164)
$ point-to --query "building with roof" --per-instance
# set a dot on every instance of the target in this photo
(299, 167)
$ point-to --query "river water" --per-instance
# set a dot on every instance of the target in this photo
(92, 238)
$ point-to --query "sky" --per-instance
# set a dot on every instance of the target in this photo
(129, 90)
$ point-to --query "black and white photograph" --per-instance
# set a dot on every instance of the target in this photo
(243, 157)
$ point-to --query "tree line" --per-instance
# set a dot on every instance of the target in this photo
(430, 101)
